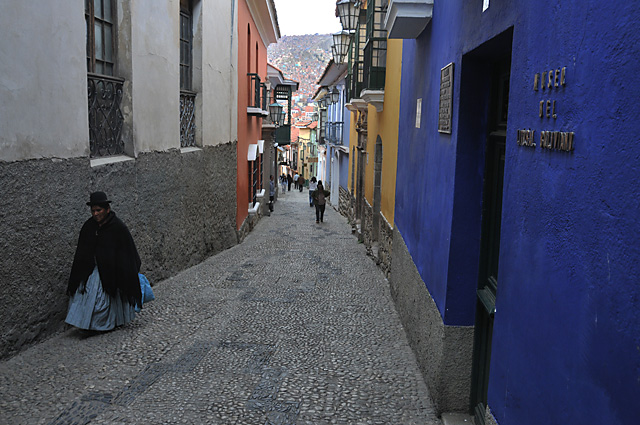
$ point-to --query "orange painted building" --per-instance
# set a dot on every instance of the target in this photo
(257, 29)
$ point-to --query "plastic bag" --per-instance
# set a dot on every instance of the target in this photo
(147, 292)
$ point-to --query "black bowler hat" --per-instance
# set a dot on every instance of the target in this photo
(98, 198)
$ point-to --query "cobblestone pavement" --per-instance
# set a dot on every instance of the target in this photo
(293, 326)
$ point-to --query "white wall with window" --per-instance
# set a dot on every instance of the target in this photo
(129, 58)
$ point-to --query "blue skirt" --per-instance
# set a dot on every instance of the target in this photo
(95, 309)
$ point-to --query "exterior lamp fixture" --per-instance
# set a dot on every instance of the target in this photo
(334, 54)
(348, 11)
(275, 112)
(335, 95)
(341, 46)
(283, 115)
(322, 103)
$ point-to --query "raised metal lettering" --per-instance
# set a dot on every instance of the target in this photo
(548, 109)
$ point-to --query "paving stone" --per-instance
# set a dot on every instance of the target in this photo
(294, 326)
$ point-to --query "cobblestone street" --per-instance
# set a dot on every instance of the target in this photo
(294, 326)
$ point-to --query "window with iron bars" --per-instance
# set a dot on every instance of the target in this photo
(187, 96)
(104, 89)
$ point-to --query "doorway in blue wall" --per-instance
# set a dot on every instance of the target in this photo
(491, 62)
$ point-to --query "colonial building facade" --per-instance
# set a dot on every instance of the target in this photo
(134, 98)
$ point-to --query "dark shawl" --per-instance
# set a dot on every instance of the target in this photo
(112, 247)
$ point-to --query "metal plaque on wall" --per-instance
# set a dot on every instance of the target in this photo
(446, 99)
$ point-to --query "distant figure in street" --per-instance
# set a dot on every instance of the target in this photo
(289, 181)
(313, 185)
(283, 182)
(301, 181)
(104, 286)
(320, 200)
(272, 192)
(295, 180)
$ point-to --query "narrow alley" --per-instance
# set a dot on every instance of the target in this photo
(293, 326)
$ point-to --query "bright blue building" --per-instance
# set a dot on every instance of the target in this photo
(516, 262)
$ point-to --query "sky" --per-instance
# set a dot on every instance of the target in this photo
(298, 17)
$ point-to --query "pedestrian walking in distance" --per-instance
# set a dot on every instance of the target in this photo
(289, 181)
(272, 192)
(301, 181)
(313, 185)
(104, 286)
(283, 182)
(295, 180)
(320, 200)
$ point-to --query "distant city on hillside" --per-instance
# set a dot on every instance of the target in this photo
(302, 58)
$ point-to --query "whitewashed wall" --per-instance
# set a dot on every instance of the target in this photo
(43, 81)
(219, 73)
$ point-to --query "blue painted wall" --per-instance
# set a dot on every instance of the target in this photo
(566, 341)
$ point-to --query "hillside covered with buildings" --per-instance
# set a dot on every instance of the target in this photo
(302, 58)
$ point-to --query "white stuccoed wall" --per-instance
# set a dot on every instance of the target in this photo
(219, 72)
(155, 58)
(43, 81)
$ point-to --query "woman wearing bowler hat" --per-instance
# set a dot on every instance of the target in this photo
(104, 287)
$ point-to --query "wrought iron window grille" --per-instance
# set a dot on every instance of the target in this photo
(105, 117)
(187, 119)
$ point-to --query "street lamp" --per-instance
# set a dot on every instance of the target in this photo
(340, 47)
(348, 13)
(335, 95)
(275, 113)
(283, 115)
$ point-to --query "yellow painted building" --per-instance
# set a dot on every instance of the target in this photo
(373, 82)
(385, 125)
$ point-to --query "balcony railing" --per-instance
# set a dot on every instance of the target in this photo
(334, 131)
(187, 119)
(105, 117)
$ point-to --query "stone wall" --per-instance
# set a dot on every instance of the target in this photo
(444, 353)
(179, 208)
(381, 250)
(346, 205)
(385, 246)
